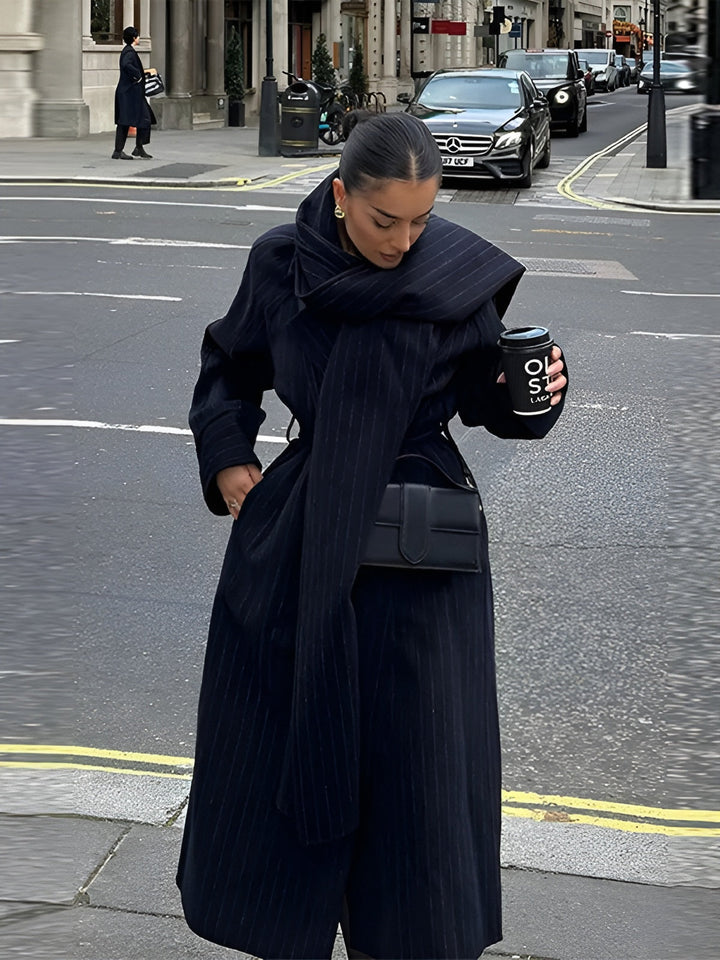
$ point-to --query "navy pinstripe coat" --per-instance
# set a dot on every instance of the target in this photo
(348, 745)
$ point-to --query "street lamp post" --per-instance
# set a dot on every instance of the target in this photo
(641, 24)
(268, 134)
(656, 156)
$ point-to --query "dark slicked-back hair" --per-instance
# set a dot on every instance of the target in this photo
(389, 146)
(129, 34)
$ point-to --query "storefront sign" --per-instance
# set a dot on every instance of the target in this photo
(455, 28)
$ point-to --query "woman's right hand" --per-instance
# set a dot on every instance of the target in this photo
(234, 484)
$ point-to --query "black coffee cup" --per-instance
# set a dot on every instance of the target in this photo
(526, 358)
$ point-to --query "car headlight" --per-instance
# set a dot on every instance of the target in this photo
(599, 76)
(562, 96)
(508, 140)
(685, 84)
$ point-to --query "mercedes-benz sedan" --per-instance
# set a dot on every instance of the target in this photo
(488, 123)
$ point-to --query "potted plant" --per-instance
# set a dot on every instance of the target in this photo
(322, 67)
(358, 81)
(235, 79)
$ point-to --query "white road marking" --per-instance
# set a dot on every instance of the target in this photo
(131, 242)
(100, 425)
(85, 293)
(675, 336)
(259, 207)
(654, 293)
(9, 341)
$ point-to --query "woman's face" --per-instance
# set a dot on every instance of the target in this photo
(383, 222)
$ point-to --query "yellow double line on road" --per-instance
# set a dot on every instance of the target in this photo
(565, 185)
(150, 764)
(548, 808)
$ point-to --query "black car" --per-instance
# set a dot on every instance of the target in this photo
(676, 76)
(556, 73)
(488, 123)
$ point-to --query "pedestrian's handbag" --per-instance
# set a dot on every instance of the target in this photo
(153, 84)
(421, 527)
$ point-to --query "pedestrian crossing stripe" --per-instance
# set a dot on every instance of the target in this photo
(548, 808)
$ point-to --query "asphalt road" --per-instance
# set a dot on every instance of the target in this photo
(602, 569)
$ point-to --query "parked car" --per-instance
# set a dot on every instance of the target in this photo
(488, 123)
(676, 76)
(556, 73)
(623, 70)
(588, 77)
(603, 66)
(633, 64)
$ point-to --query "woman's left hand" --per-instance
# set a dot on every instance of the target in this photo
(558, 380)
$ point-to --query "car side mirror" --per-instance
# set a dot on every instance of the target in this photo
(404, 98)
(580, 75)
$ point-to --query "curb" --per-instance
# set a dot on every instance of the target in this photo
(687, 206)
(134, 182)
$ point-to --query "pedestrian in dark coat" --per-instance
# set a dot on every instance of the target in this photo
(131, 106)
(347, 763)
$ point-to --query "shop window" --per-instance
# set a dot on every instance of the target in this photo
(106, 20)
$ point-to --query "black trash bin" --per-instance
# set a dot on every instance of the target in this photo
(300, 118)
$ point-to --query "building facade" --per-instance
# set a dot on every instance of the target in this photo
(59, 58)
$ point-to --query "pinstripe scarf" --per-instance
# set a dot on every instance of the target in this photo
(372, 386)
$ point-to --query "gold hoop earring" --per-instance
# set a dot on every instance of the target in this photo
(339, 212)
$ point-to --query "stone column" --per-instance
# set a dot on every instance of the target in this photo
(389, 81)
(373, 49)
(216, 48)
(18, 45)
(405, 41)
(158, 31)
(129, 15)
(60, 110)
(86, 24)
(144, 25)
(177, 110)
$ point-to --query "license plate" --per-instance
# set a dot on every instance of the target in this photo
(457, 161)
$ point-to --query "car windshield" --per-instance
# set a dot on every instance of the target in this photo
(667, 66)
(596, 56)
(484, 92)
(540, 66)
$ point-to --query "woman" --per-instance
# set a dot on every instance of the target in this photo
(347, 761)
(131, 107)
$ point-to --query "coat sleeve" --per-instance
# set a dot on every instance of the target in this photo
(130, 65)
(236, 368)
(481, 400)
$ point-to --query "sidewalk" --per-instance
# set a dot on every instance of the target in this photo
(217, 157)
(228, 157)
(91, 886)
(89, 849)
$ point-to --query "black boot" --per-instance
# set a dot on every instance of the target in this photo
(140, 152)
(120, 155)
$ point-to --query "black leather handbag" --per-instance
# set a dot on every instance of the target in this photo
(422, 527)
